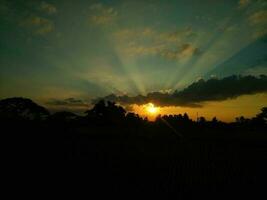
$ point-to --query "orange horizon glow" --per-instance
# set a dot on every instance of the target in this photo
(225, 111)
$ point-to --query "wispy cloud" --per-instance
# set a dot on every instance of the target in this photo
(48, 8)
(74, 105)
(256, 71)
(261, 32)
(31, 15)
(185, 51)
(172, 45)
(67, 102)
(102, 15)
(243, 3)
(38, 25)
(258, 18)
(258, 21)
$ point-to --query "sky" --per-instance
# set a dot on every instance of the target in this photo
(64, 54)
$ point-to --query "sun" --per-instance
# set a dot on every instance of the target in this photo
(151, 109)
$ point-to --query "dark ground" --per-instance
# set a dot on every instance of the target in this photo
(114, 154)
(113, 161)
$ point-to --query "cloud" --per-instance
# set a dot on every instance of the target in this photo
(141, 50)
(185, 51)
(48, 8)
(229, 29)
(256, 71)
(258, 18)
(243, 3)
(66, 102)
(259, 33)
(102, 15)
(172, 45)
(155, 36)
(177, 35)
(39, 25)
(74, 105)
(198, 92)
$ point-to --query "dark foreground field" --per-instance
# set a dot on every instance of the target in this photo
(110, 153)
(111, 161)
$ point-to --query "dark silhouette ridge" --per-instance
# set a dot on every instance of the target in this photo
(120, 153)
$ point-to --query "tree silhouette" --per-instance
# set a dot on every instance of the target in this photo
(185, 117)
(263, 114)
(240, 120)
(107, 112)
(18, 108)
(214, 120)
(202, 120)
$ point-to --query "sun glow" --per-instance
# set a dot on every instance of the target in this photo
(151, 109)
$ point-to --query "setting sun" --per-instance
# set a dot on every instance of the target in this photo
(151, 109)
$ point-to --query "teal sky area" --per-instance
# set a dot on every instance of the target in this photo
(87, 49)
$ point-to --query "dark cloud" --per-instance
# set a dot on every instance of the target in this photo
(73, 105)
(199, 92)
(67, 102)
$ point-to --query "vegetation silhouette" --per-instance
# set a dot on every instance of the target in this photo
(119, 152)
